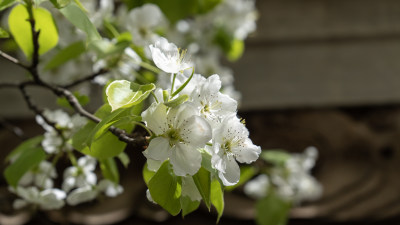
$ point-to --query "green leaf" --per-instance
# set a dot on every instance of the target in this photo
(188, 205)
(276, 157)
(217, 197)
(80, 20)
(202, 179)
(124, 94)
(72, 51)
(82, 99)
(4, 33)
(147, 174)
(236, 50)
(204, 6)
(24, 146)
(25, 162)
(272, 210)
(165, 189)
(176, 102)
(124, 158)
(246, 173)
(60, 3)
(109, 169)
(21, 30)
(4, 4)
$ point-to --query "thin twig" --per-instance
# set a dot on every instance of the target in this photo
(12, 59)
(13, 129)
(87, 78)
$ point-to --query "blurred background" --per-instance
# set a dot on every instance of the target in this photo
(316, 72)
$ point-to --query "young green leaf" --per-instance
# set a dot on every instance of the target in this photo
(72, 51)
(80, 20)
(24, 146)
(147, 174)
(217, 197)
(4, 33)
(25, 161)
(176, 102)
(165, 189)
(20, 28)
(272, 210)
(202, 179)
(236, 50)
(4, 4)
(123, 94)
(109, 169)
(188, 205)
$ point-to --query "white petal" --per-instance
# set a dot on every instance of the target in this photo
(257, 188)
(52, 199)
(232, 173)
(196, 131)
(189, 189)
(156, 118)
(19, 204)
(153, 165)
(80, 195)
(148, 195)
(185, 160)
(248, 153)
(158, 149)
(69, 183)
(219, 162)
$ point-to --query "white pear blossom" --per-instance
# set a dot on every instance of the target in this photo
(81, 175)
(257, 188)
(143, 22)
(47, 199)
(179, 132)
(41, 176)
(168, 57)
(230, 143)
(110, 188)
(82, 194)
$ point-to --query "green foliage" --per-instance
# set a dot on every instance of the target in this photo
(165, 189)
(4, 4)
(272, 210)
(60, 3)
(109, 169)
(124, 94)
(82, 99)
(217, 197)
(66, 54)
(105, 48)
(27, 159)
(276, 157)
(188, 205)
(176, 102)
(147, 174)
(80, 20)
(232, 47)
(20, 28)
(236, 50)
(124, 158)
(202, 179)
(4, 33)
(24, 146)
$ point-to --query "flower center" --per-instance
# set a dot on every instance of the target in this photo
(173, 136)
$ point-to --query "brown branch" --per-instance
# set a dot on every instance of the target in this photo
(88, 78)
(12, 59)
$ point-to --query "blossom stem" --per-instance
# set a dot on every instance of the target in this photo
(72, 158)
(154, 96)
(149, 67)
(183, 85)
(173, 83)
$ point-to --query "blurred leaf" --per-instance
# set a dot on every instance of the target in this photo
(26, 161)
(109, 169)
(82, 99)
(202, 179)
(217, 197)
(72, 51)
(4, 4)
(60, 3)
(124, 158)
(165, 189)
(80, 20)
(204, 6)
(277, 157)
(272, 210)
(4, 33)
(147, 174)
(21, 30)
(177, 101)
(236, 50)
(24, 146)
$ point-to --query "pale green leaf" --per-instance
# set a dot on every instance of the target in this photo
(147, 174)
(4, 33)
(21, 30)
(236, 50)
(177, 101)
(80, 20)
(217, 197)
(165, 189)
(272, 210)
(124, 158)
(202, 179)
(124, 94)
(72, 51)
(26, 161)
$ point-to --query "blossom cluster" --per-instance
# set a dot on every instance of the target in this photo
(206, 121)
(292, 181)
